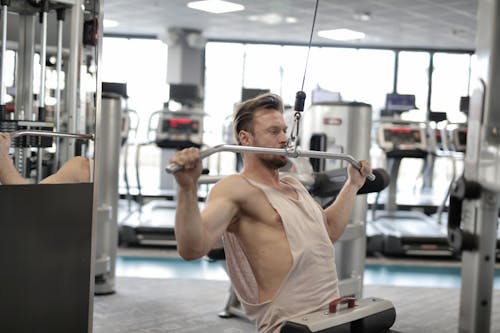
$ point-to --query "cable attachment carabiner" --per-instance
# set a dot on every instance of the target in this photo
(294, 132)
(300, 99)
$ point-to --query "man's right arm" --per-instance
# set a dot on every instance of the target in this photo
(196, 232)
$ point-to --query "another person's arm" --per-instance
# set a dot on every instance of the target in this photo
(8, 173)
(196, 232)
(339, 212)
(76, 170)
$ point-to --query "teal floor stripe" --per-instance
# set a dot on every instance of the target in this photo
(375, 274)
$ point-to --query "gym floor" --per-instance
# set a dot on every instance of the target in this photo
(164, 263)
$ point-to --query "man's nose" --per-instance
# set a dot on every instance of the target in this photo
(285, 140)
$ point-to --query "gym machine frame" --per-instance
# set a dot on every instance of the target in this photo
(475, 200)
(26, 47)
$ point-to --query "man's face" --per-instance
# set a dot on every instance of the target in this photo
(269, 130)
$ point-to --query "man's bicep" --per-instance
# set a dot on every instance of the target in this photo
(218, 214)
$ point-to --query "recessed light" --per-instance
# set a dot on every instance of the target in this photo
(216, 6)
(362, 16)
(109, 23)
(272, 19)
(341, 34)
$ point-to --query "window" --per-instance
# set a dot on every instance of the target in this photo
(413, 74)
(142, 64)
(450, 81)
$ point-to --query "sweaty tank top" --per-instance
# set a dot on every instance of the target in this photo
(312, 280)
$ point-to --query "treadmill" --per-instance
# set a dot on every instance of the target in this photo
(153, 223)
(405, 233)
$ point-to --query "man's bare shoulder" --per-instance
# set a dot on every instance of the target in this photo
(234, 185)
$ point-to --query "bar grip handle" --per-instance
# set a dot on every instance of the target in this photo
(332, 307)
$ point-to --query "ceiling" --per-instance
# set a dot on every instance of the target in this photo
(429, 24)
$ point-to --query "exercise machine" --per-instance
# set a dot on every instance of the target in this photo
(370, 315)
(153, 223)
(351, 285)
(46, 136)
(338, 127)
(475, 199)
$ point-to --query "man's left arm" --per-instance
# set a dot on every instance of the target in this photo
(339, 212)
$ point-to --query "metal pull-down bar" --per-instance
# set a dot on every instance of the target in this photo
(293, 153)
(16, 134)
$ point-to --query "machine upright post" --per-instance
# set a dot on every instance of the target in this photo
(478, 265)
(108, 164)
(24, 81)
(4, 52)
(41, 97)
(482, 165)
(60, 22)
(73, 75)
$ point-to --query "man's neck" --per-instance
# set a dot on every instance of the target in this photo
(261, 173)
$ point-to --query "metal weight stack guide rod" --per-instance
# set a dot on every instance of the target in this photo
(293, 153)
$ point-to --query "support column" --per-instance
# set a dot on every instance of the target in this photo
(24, 78)
(186, 57)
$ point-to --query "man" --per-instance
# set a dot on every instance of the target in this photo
(76, 170)
(277, 239)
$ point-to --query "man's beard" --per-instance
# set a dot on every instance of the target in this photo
(274, 161)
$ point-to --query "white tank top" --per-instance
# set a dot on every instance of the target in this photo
(311, 284)
(91, 170)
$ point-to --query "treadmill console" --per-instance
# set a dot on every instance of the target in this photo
(179, 130)
(402, 136)
(458, 138)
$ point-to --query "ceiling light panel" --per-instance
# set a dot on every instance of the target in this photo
(216, 6)
(341, 34)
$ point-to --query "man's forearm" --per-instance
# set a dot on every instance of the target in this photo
(189, 231)
(8, 173)
(339, 213)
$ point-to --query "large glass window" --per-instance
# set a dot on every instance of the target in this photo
(10, 68)
(359, 75)
(450, 81)
(413, 78)
(142, 64)
(223, 81)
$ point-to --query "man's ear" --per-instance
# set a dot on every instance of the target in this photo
(244, 137)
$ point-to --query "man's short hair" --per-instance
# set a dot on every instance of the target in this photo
(244, 114)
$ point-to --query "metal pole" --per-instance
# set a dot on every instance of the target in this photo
(73, 73)
(24, 82)
(60, 21)
(4, 51)
(43, 58)
(478, 265)
(41, 99)
(171, 168)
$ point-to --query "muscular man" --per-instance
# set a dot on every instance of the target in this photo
(278, 240)
(76, 170)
